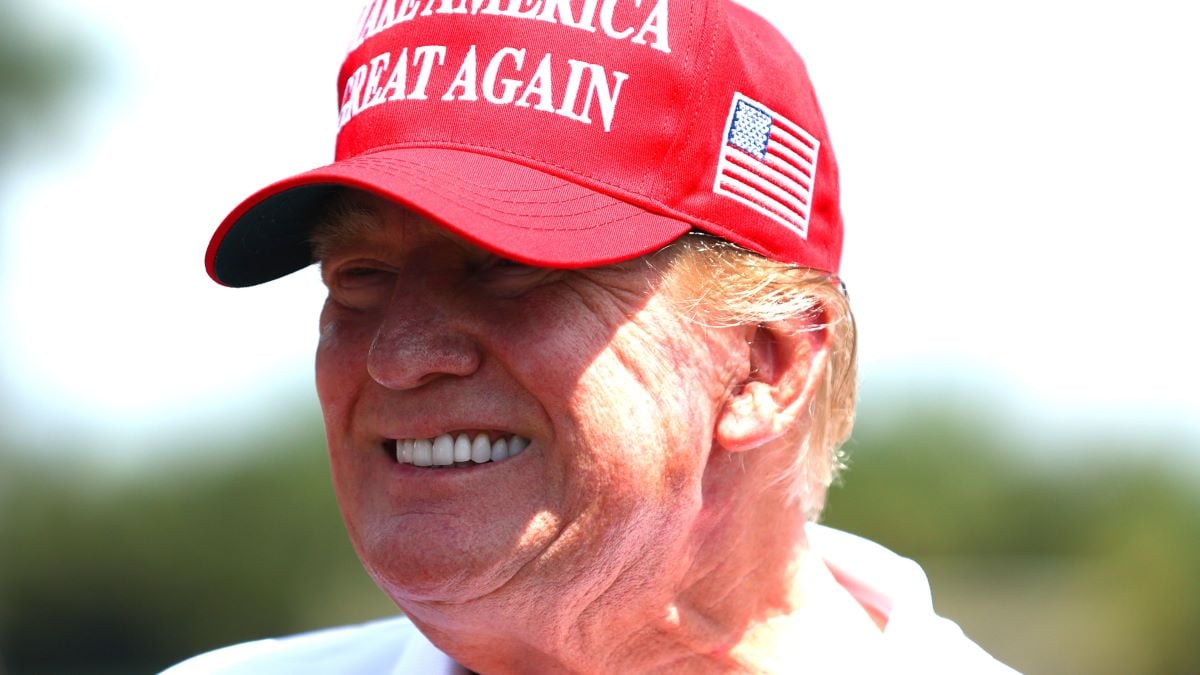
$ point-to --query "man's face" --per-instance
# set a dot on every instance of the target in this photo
(425, 335)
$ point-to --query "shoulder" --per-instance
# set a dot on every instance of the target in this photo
(378, 646)
(916, 639)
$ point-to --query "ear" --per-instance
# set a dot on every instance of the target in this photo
(788, 359)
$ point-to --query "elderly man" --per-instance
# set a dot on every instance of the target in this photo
(584, 362)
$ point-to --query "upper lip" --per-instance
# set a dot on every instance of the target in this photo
(471, 430)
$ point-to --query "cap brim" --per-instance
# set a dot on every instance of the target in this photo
(505, 207)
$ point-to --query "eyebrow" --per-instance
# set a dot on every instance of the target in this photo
(344, 222)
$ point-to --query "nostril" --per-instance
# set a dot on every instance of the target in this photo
(409, 357)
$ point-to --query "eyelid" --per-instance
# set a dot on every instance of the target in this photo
(336, 273)
(502, 264)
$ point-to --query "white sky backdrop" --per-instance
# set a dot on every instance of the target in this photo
(1019, 185)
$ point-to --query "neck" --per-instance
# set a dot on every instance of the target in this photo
(741, 593)
(757, 599)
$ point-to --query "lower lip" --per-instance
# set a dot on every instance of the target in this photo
(409, 489)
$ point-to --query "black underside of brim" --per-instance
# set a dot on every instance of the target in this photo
(271, 239)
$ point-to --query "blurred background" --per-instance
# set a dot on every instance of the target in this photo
(1019, 187)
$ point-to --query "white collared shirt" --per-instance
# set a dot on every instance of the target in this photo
(915, 639)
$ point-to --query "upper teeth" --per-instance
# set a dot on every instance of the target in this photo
(446, 449)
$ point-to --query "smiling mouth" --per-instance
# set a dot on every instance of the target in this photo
(461, 450)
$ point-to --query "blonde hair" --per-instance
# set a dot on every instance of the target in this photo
(730, 286)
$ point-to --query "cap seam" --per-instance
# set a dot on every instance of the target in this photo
(659, 209)
(400, 164)
(465, 147)
(466, 181)
(666, 128)
(463, 199)
(432, 143)
(696, 107)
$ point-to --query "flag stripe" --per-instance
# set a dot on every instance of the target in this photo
(804, 179)
(794, 143)
(767, 174)
(760, 201)
(801, 164)
(801, 136)
(768, 163)
(753, 180)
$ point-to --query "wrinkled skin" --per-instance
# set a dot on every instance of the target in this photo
(591, 549)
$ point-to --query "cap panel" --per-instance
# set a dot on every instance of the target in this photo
(587, 100)
(755, 62)
(566, 133)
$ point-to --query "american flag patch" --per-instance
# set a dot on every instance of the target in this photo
(768, 163)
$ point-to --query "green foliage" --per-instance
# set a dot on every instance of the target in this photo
(40, 68)
(134, 577)
(1082, 567)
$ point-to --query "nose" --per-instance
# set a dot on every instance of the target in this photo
(424, 336)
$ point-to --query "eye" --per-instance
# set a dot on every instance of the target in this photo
(506, 266)
(509, 277)
(360, 284)
(354, 276)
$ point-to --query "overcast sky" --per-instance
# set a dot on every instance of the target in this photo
(1019, 187)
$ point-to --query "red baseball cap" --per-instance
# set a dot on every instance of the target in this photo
(565, 133)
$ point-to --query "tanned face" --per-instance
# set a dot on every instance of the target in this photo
(605, 393)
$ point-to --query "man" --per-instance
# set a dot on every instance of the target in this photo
(585, 362)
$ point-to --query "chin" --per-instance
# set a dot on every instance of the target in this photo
(430, 558)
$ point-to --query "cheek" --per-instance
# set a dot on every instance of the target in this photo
(340, 364)
(546, 342)
(645, 419)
